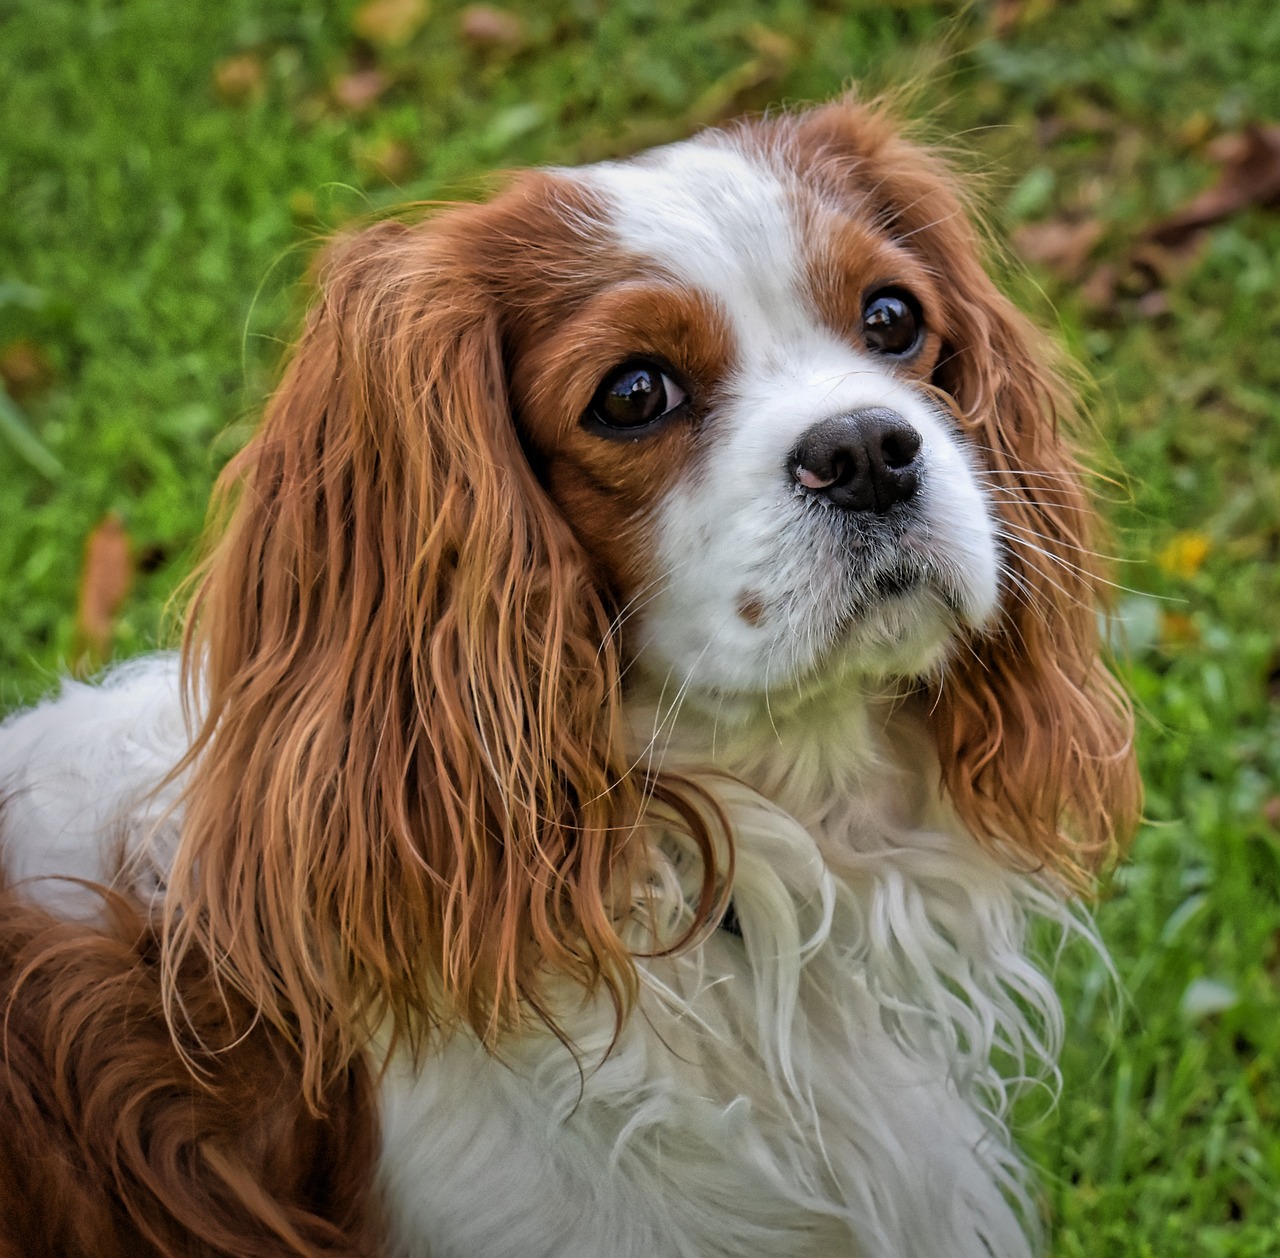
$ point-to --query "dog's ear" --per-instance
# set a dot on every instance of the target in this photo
(400, 802)
(1034, 735)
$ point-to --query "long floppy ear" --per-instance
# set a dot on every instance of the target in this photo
(1034, 735)
(400, 801)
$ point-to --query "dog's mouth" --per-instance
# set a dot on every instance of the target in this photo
(897, 581)
(881, 565)
(890, 614)
(893, 567)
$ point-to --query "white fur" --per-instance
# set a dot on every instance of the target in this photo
(78, 785)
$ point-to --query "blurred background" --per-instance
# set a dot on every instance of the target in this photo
(167, 168)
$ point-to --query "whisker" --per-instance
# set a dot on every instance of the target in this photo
(1066, 545)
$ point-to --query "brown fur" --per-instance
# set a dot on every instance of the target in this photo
(608, 488)
(113, 1147)
(409, 777)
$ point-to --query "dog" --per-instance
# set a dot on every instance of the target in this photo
(644, 686)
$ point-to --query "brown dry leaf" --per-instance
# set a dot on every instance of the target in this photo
(1008, 15)
(1154, 305)
(390, 22)
(390, 160)
(1004, 17)
(358, 90)
(1059, 244)
(1178, 629)
(24, 369)
(104, 584)
(488, 27)
(1099, 291)
(239, 79)
(1157, 265)
(1250, 176)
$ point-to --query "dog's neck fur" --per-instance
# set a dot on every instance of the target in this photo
(853, 764)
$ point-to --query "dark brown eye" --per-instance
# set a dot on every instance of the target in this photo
(633, 396)
(892, 322)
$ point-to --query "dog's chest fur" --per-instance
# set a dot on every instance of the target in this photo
(815, 1081)
(819, 1081)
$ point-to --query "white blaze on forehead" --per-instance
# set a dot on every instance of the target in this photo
(717, 220)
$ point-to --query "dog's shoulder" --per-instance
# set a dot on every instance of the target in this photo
(84, 781)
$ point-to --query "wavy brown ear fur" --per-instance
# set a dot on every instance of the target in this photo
(1034, 735)
(404, 803)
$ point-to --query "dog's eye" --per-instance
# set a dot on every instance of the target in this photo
(633, 396)
(892, 322)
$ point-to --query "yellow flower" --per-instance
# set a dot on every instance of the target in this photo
(1184, 555)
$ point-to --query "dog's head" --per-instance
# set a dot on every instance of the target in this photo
(745, 412)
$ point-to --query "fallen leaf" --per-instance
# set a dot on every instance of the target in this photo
(1059, 244)
(358, 90)
(488, 27)
(1100, 289)
(1250, 176)
(1004, 17)
(390, 160)
(1178, 629)
(390, 22)
(104, 583)
(1156, 264)
(1153, 304)
(1184, 555)
(239, 79)
(24, 369)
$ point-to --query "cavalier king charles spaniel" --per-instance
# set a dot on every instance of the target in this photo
(644, 687)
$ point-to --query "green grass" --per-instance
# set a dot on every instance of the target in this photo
(151, 241)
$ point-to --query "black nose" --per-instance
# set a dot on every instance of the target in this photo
(864, 461)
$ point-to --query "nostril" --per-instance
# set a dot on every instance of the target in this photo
(819, 470)
(899, 447)
(841, 471)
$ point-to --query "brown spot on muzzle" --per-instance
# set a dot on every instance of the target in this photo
(750, 607)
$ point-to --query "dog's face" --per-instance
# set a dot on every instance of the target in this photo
(745, 415)
(738, 420)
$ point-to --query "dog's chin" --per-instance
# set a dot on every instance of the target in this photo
(848, 650)
(901, 633)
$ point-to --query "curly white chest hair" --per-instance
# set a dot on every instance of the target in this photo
(643, 684)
